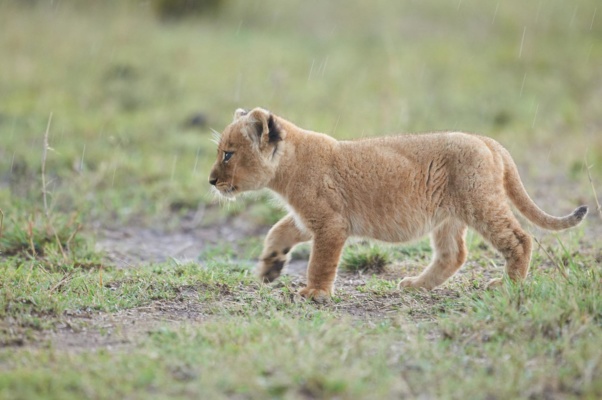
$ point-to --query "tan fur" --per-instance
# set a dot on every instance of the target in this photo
(393, 189)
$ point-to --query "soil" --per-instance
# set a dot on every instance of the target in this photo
(131, 246)
(114, 331)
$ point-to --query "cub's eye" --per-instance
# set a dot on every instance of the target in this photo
(227, 155)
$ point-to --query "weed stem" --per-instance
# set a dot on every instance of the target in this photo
(591, 182)
(44, 156)
(556, 263)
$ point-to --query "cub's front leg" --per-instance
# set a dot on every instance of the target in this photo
(277, 246)
(323, 262)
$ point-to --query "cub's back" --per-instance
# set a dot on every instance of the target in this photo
(412, 150)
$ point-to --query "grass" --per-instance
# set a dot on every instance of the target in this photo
(371, 259)
(121, 87)
(524, 341)
(52, 241)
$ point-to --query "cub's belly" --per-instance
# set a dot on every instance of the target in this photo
(390, 229)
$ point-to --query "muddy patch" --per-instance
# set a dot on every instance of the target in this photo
(125, 328)
(127, 247)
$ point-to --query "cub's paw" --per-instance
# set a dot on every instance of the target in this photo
(494, 284)
(270, 267)
(317, 295)
(413, 282)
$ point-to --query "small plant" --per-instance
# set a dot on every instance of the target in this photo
(372, 259)
(378, 286)
(53, 241)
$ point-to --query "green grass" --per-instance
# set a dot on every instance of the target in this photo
(523, 341)
(371, 259)
(53, 241)
(121, 85)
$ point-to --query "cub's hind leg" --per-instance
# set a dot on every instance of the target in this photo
(449, 248)
(499, 226)
(277, 246)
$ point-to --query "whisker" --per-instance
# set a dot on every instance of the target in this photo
(216, 137)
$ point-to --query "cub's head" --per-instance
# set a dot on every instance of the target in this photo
(247, 153)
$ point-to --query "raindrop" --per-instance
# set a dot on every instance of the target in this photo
(113, 177)
(324, 66)
(12, 130)
(311, 69)
(497, 6)
(522, 42)
(573, 17)
(81, 163)
(196, 160)
(336, 125)
(591, 25)
(173, 168)
(238, 86)
(535, 116)
(589, 52)
(522, 85)
(538, 11)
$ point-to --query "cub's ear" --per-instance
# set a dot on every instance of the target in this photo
(263, 127)
(240, 112)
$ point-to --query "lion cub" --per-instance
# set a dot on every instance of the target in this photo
(393, 189)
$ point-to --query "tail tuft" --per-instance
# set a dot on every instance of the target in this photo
(580, 213)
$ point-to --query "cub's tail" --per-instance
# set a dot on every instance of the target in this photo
(519, 197)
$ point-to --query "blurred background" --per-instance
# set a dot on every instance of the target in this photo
(121, 276)
(132, 88)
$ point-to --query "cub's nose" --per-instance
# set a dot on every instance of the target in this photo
(213, 181)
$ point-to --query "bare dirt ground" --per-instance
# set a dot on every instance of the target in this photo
(127, 247)
(114, 331)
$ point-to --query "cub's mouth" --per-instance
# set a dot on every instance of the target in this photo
(226, 190)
